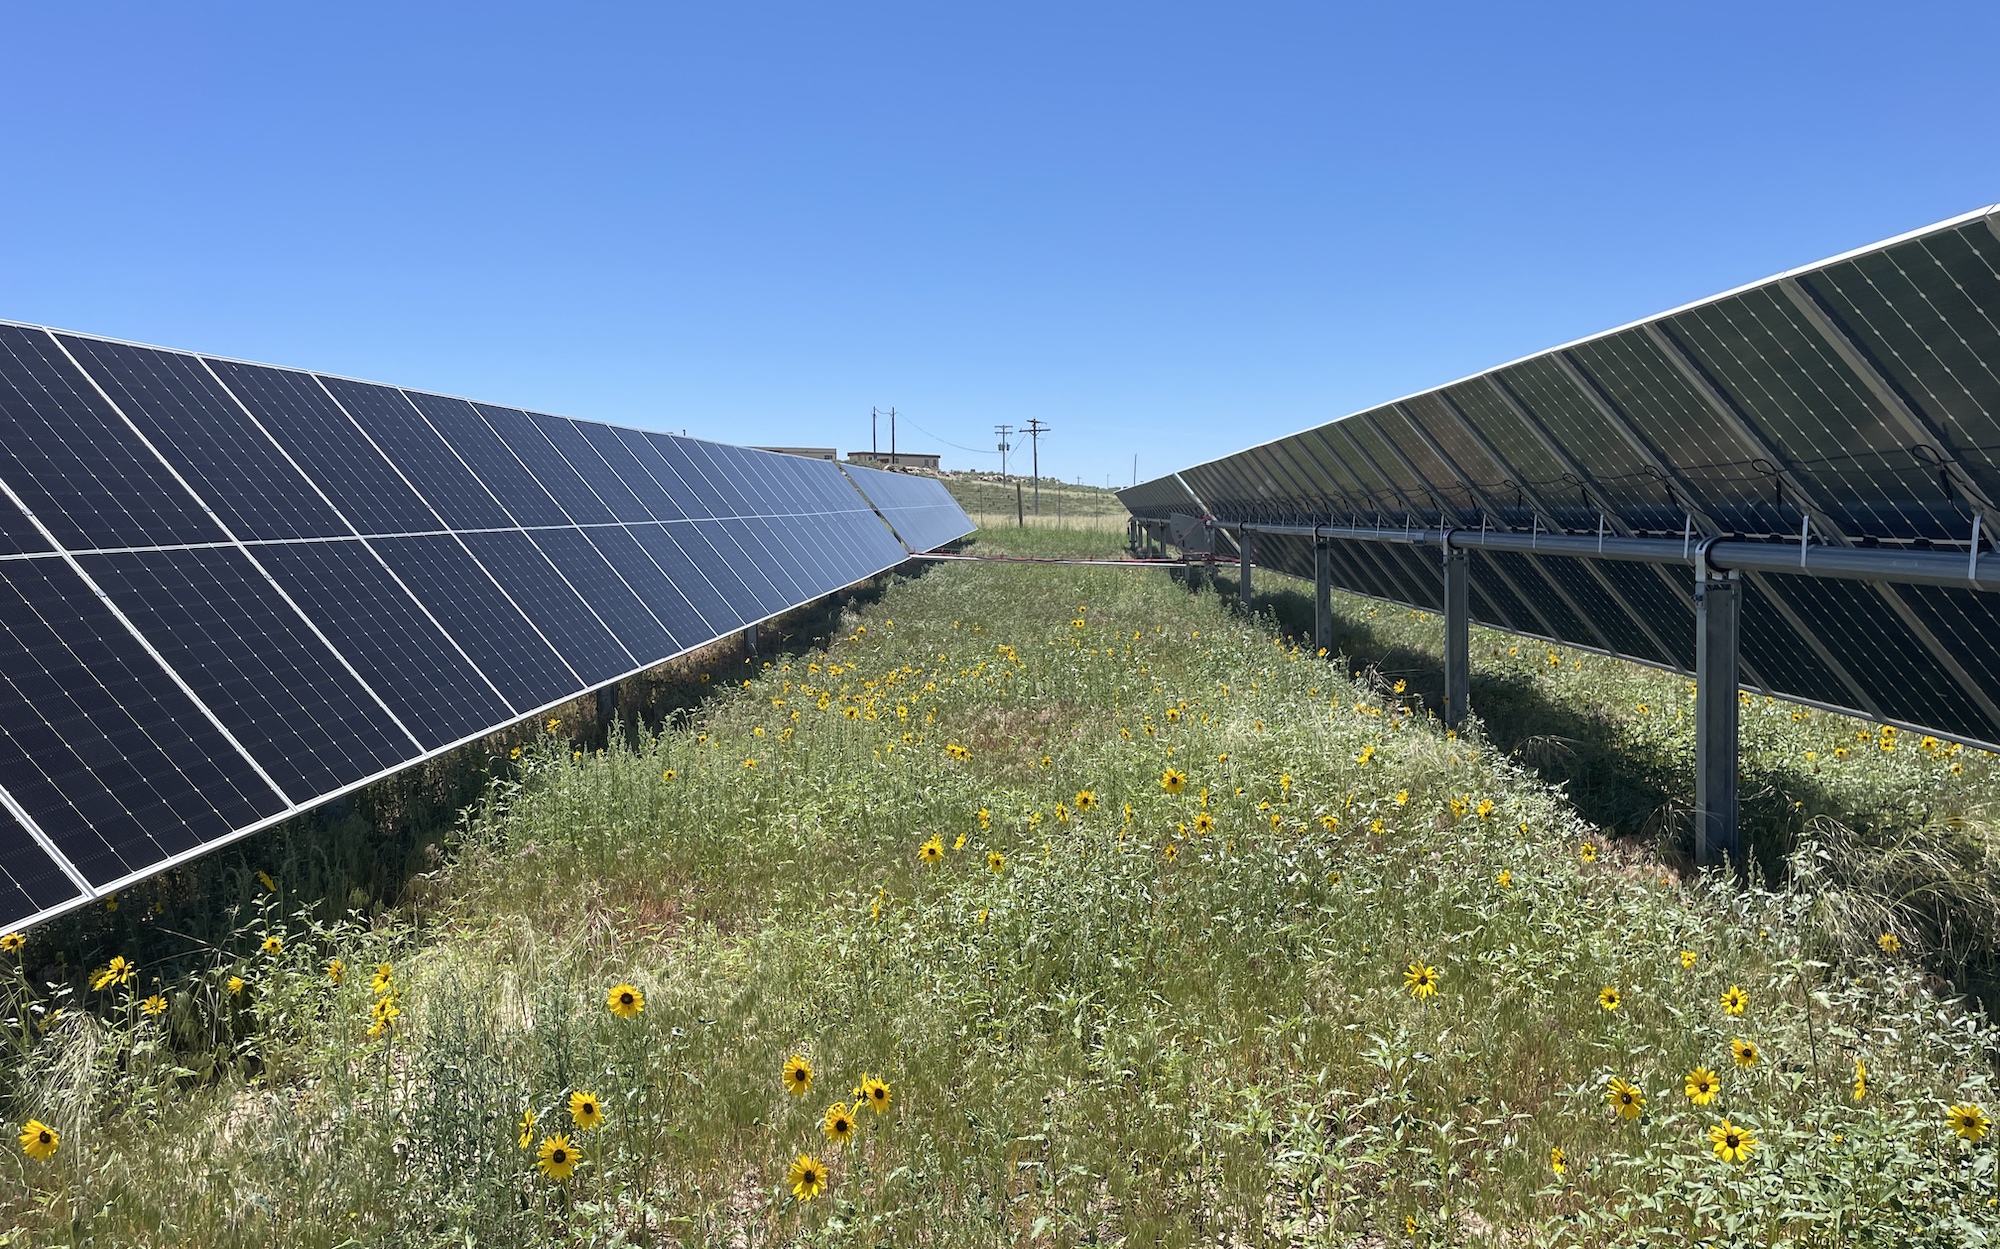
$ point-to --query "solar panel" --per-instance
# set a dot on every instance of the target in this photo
(919, 509)
(1848, 412)
(229, 591)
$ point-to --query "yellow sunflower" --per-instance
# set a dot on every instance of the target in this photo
(154, 1005)
(1744, 1052)
(839, 1125)
(39, 1140)
(1626, 1098)
(1505, 878)
(1558, 1161)
(1688, 959)
(1968, 1120)
(1173, 780)
(1732, 1144)
(624, 1000)
(1702, 1086)
(235, 985)
(274, 944)
(558, 1157)
(807, 1176)
(875, 1094)
(13, 942)
(1587, 852)
(1608, 998)
(1734, 1000)
(797, 1075)
(1085, 800)
(1421, 980)
(931, 851)
(1204, 822)
(1860, 1080)
(527, 1136)
(117, 972)
(996, 861)
(384, 979)
(336, 971)
(586, 1110)
(1889, 942)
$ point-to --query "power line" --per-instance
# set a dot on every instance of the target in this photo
(1035, 431)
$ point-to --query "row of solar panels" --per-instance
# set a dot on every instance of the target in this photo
(229, 591)
(1852, 403)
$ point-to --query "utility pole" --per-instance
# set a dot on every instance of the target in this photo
(1135, 468)
(1035, 431)
(874, 438)
(1005, 447)
(892, 437)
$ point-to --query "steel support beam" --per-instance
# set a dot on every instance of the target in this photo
(750, 639)
(1718, 603)
(607, 710)
(1457, 637)
(1243, 564)
(1322, 596)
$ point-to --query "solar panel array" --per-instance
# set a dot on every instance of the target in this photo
(229, 591)
(1853, 403)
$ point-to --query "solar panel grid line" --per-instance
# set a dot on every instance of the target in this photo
(230, 535)
(34, 830)
(145, 644)
(1810, 637)
(1941, 653)
(446, 530)
(361, 539)
(1891, 400)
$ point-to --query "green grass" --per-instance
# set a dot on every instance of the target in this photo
(1139, 1031)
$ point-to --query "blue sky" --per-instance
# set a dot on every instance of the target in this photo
(1164, 230)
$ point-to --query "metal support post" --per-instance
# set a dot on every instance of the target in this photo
(1323, 596)
(1457, 637)
(1717, 608)
(1244, 541)
(607, 711)
(750, 639)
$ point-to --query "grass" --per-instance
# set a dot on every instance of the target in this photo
(1139, 1029)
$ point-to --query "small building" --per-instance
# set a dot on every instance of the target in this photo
(811, 453)
(901, 459)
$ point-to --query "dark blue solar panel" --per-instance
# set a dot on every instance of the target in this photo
(654, 587)
(696, 496)
(609, 594)
(699, 573)
(573, 472)
(409, 441)
(481, 618)
(30, 881)
(621, 458)
(398, 650)
(217, 448)
(98, 744)
(76, 464)
(246, 654)
(557, 610)
(919, 509)
(482, 450)
(334, 454)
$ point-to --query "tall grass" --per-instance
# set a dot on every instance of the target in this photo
(1141, 1029)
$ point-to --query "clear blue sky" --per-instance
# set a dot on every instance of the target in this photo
(1161, 229)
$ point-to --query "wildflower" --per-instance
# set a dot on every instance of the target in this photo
(1506, 879)
(1421, 980)
(117, 972)
(1743, 1051)
(1485, 809)
(558, 1157)
(553, 724)
(1223, 757)
(1688, 959)
(1734, 1000)
(959, 842)
(1732, 1144)
(1626, 1098)
(1889, 942)
(1173, 781)
(875, 1093)
(996, 861)
(985, 818)
(983, 913)
(932, 851)
(586, 1110)
(264, 879)
(336, 971)
(1860, 1079)
(274, 944)
(154, 1006)
(1204, 822)
(797, 1076)
(385, 1013)
(1702, 1086)
(1968, 1120)
(1085, 800)
(1329, 822)
(1367, 753)
(1608, 998)
(667, 775)
(1062, 814)
(235, 985)
(1587, 852)
(1170, 851)
(1558, 1161)
(749, 764)
(39, 1140)
(13, 942)
(384, 980)
(624, 1001)
(514, 753)
(807, 1177)
(1173, 715)
(839, 1125)
(527, 1136)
